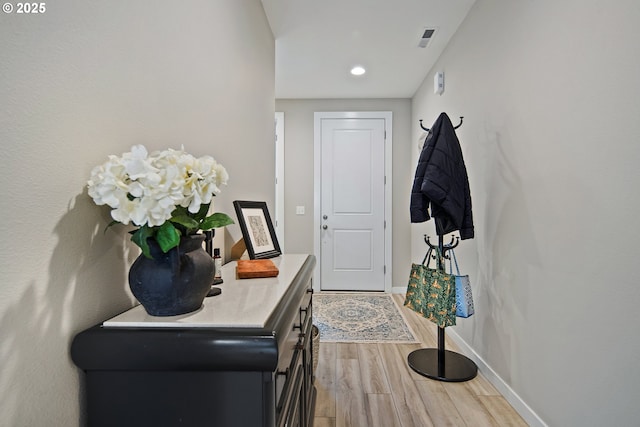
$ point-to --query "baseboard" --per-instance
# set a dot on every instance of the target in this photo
(398, 289)
(507, 392)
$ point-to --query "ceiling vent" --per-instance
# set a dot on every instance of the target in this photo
(426, 37)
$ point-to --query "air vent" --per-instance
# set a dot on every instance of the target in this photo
(426, 37)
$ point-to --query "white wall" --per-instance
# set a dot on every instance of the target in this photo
(550, 94)
(84, 80)
(298, 120)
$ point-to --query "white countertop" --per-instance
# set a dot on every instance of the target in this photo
(243, 303)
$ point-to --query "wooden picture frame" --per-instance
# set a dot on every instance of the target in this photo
(257, 229)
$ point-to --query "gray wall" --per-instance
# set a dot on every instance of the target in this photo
(80, 82)
(298, 121)
(550, 94)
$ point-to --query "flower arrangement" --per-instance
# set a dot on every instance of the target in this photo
(165, 194)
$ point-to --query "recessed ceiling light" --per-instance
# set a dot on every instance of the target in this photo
(358, 70)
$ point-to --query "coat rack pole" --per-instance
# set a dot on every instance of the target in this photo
(438, 363)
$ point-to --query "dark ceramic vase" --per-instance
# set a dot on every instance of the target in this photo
(175, 282)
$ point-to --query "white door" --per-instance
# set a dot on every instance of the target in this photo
(352, 204)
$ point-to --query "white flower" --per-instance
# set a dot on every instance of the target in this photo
(145, 189)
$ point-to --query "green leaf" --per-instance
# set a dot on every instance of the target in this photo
(167, 236)
(185, 221)
(202, 213)
(140, 238)
(179, 210)
(216, 220)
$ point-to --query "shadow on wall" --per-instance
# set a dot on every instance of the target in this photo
(506, 255)
(38, 380)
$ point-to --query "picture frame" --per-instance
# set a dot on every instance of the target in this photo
(257, 229)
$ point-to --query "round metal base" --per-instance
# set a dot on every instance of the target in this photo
(454, 368)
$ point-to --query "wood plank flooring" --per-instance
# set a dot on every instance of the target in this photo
(371, 385)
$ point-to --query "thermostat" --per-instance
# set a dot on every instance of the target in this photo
(438, 83)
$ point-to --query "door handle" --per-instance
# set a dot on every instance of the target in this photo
(324, 227)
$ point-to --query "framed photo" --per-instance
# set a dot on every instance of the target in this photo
(257, 229)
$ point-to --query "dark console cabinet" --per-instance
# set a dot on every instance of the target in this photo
(207, 369)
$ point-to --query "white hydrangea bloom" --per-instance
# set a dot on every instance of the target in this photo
(145, 189)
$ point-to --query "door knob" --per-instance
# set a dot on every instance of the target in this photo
(324, 227)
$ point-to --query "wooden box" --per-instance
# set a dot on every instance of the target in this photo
(255, 268)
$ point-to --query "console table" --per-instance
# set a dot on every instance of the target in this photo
(244, 359)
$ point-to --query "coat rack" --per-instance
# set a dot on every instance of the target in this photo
(439, 363)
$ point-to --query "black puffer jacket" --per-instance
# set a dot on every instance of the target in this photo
(441, 181)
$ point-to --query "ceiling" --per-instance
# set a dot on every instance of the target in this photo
(319, 41)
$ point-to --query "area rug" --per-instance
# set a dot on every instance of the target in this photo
(360, 317)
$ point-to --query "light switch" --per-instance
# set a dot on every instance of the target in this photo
(299, 210)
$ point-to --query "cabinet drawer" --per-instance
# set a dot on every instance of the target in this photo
(292, 412)
(291, 375)
(286, 383)
(305, 308)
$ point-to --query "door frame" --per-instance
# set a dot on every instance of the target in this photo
(387, 116)
(279, 208)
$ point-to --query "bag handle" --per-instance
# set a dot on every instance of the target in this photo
(453, 256)
(427, 257)
(438, 257)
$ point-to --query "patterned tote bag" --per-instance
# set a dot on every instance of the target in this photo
(464, 297)
(432, 293)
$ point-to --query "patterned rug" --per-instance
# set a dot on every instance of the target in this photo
(360, 317)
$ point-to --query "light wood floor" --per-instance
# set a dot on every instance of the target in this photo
(369, 385)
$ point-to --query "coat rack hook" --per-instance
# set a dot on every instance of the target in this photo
(455, 240)
(460, 124)
(455, 127)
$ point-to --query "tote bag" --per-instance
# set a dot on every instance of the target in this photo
(431, 293)
(464, 298)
